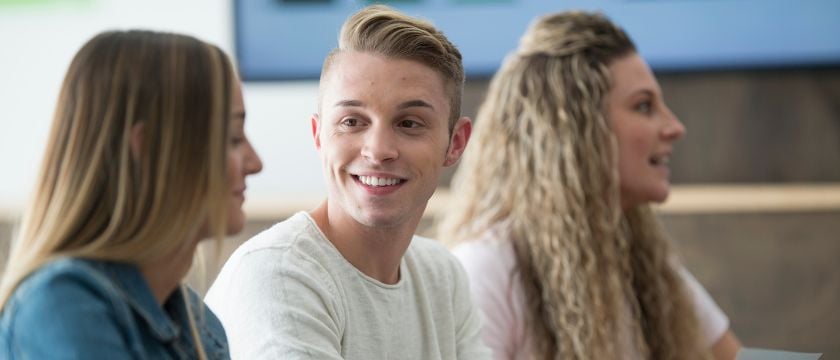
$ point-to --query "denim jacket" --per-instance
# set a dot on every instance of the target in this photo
(85, 309)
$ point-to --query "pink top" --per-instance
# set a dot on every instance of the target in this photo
(490, 264)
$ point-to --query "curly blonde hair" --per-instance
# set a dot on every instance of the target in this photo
(542, 168)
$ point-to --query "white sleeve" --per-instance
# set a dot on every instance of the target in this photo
(275, 305)
(491, 285)
(713, 322)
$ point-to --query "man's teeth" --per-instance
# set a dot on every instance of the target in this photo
(377, 181)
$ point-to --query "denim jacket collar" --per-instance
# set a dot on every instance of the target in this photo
(140, 298)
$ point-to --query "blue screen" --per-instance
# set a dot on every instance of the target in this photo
(288, 39)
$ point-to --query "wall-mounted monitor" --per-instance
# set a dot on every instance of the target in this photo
(288, 39)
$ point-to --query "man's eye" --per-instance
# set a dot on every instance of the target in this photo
(350, 122)
(411, 124)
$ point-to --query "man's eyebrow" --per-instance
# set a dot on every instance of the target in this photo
(415, 103)
(350, 103)
(402, 106)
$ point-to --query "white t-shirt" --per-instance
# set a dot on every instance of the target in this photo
(491, 262)
(289, 294)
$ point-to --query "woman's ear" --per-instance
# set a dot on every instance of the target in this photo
(136, 139)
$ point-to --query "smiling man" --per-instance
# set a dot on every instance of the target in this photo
(349, 279)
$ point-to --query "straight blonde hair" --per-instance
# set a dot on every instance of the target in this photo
(542, 170)
(95, 197)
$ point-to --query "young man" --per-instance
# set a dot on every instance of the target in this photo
(349, 279)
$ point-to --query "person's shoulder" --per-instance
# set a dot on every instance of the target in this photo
(293, 240)
(431, 259)
(61, 290)
(491, 250)
(429, 250)
(713, 321)
(293, 250)
(62, 275)
(281, 235)
(424, 244)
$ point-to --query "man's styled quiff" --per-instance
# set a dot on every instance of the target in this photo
(381, 30)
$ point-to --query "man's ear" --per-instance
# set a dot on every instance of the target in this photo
(136, 139)
(458, 142)
(315, 122)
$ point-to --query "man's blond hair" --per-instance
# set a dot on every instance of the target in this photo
(381, 30)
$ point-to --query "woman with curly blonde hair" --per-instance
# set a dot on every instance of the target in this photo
(551, 212)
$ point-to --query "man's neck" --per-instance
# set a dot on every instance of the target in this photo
(376, 252)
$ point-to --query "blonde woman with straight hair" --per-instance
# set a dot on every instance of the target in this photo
(551, 213)
(147, 156)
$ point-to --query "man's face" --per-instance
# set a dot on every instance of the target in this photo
(383, 137)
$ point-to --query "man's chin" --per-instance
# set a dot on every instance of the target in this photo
(379, 220)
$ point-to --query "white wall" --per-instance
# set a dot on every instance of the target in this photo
(37, 43)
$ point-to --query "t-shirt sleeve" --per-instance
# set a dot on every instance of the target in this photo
(491, 288)
(277, 305)
(47, 326)
(713, 322)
